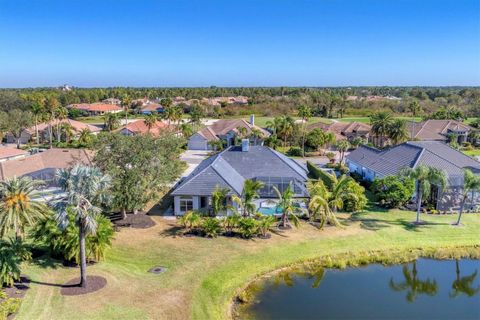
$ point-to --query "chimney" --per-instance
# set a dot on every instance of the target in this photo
(245, 145)
(252, 119)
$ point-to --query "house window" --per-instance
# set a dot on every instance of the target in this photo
(186, 204)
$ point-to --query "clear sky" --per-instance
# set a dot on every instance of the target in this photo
(239, 43)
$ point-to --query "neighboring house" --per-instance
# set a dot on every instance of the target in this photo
(344, 130)
(44, 131)
(139, 127)
(96, 108)
(42, 165)
(112, 101)
(372, 163)
(230, 168)
(9, 153)
(151, 108)
(225, 130)
(438, 130)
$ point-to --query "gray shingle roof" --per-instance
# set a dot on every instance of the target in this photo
(231, 167)
(412, 154)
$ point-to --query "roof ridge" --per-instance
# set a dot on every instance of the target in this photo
(447, 125)
(220, 175)
(422, 126)
(283, 160)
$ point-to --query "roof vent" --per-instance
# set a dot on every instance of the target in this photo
(245, 145)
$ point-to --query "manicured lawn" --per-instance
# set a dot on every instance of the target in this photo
(204, 274)
(472, 153)
(367, 119)
(262, 121)
(101, 119)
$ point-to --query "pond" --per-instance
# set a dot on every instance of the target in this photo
(424, 289)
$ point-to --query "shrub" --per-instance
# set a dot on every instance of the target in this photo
(330, 156)
(229, 223)
(295, 152)
(8, 306)
(248, 227)
(190, 220)
(64, 243)
(211, 227)
(356, 201)
(393, 191)
(12, 253)
(265, 223)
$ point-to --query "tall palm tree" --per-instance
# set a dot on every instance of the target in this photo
(51, 105)
(471, 184)
(85, 191)
(242, 132)
(126, 104)
(67, 130)
(18, 209)
(304, 112)
(286, 128)
(186, 129)
(415, 108)
(342, 147)
(37, 111)
(85, 138)
(285, 202)
(249, 194)
(150, 121)
(381, 122)
(413, 285)
(256, 135)
(425, 177)
(61, 114)
(397, 131)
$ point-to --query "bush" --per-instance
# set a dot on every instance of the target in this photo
(264, 224)
(357, 201)
(295, 152)
(12, 253)
(393, 191)
(8, 306)
(65, 243)
(211, 227)
(190, 220)
(248, 227)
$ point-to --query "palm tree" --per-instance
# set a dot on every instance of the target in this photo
(286, 128)
(319, 204)
(249, 194)
(186, 129)
(397, 131)
(85, 138)
(305, 113)
(256, 135)
(86, 189)
(126, 103)
(219, 197)
(425, 177)
(415, 108)
(111, 121)
(17, 208)
(342, 147)
(150, 121)
(471, 184)
(51, 105)
(285, 202)
(413, 285)
(67, 130)
(37, 110)
(242, 132)
(381, 122)
(61, 114)
(464, 284)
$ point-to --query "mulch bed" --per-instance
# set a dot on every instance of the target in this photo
(94, 283)
(19, 288)
(137, 221)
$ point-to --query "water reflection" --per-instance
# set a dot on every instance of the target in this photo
(413, 284)
(464, 284)
(287, 277)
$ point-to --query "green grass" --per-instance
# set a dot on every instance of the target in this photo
(262, 121)
(205, 274)
(367, 119)
(100, 119)
(472, 153)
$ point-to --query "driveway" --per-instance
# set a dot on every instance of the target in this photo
(193, 159)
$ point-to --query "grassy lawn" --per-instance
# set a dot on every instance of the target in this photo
(367, 119)
(204, 274)
(472, 153)
(101, 119)
(262, 121)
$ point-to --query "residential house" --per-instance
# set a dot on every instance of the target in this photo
(438, 130)
(151, 108)
(372, 163)
(230, 168)
(114, 101)
(44, 130)
(94, 109)
(140, 127)
(344, 130)
(224, 130)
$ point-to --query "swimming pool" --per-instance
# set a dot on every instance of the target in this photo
(270, 211)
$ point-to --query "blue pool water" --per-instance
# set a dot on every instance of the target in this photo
(270, 211)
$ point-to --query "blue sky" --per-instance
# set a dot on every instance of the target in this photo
(239, 43)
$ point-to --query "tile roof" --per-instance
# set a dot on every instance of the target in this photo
(224, 126)
(342, 130)
(95, 107)
(232, 166)
(412, 154)
(9, 152)
(139, 127)
(49, 159)
(77, 126)
(435, 129)
(152, 107)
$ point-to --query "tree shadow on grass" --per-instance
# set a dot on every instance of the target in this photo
(47, 262)
(59, 285)
(172, 231)
(375, 224)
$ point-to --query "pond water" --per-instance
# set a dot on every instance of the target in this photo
(424, 289)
